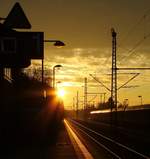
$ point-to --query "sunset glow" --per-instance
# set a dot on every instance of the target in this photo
(61, 93)
(88, 47)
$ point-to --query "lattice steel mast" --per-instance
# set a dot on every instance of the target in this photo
(114, 72)
(85, 93)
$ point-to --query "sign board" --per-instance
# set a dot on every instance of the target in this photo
(18, 48)
(17, 18)
(31, 44)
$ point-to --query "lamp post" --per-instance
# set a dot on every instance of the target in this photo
(58, 44)
(58, 82)
(56, 66)
(126, 104)
(141, 100)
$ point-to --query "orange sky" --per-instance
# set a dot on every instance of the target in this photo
(84, 26)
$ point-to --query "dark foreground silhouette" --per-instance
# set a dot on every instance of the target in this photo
(29, 121)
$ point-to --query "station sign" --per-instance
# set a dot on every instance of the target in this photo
(17, 18)
(20, 47)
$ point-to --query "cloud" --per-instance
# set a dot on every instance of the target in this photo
(78, 63)
(83, 52)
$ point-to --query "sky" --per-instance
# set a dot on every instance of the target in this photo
(85, 27)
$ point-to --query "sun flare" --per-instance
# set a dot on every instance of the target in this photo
(61, 92)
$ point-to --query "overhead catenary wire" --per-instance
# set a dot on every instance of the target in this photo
(128, 81)
(133, 28)
(92, 99)
(99, 82)
(131, 51)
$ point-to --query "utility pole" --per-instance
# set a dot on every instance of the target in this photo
(42, 70)
(73, 108)
(77, 104)
(104, 97)
(101, 101)
(85, 93)
(114, 72)
(73, 104)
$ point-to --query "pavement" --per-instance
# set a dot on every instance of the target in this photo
(57, 146)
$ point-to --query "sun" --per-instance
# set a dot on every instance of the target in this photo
(61, 92)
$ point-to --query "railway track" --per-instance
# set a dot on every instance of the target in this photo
(114, 148)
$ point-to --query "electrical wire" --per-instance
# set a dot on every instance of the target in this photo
(131, 51)
(134, 27)
(92, 99)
